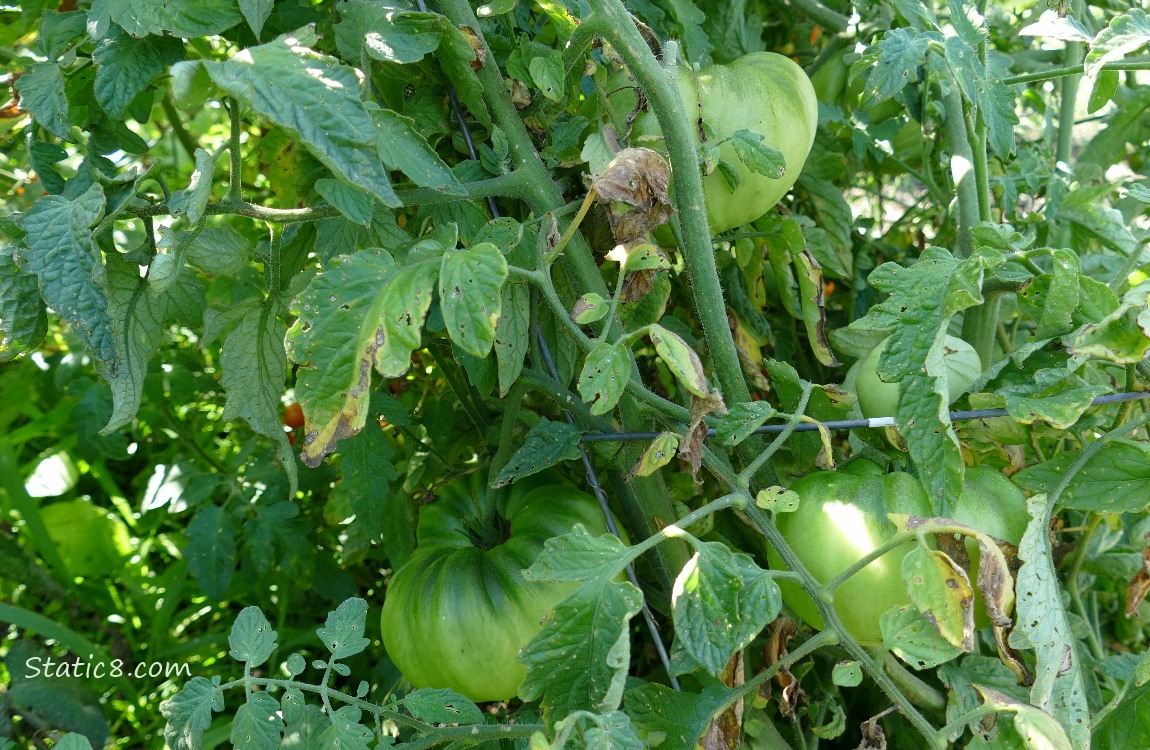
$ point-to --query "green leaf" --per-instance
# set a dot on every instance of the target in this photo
(758, 156)
(257, 725)
(590, 308)
(1114, 480)
(657, 455)
(402, 147)
(69, 266)
(140, 319)
(1104, 87)
(579, 660)
(547, 444)
(922, 299)
(252, 639)
(495, 8)
(253, 367)
(387, 34)
(316, 98)
(1037, 728)
(189, 712)
(610, 731)
(547, 74)
(23, 318)
(512, 334)
(441, 706)
(1128, 725)
(681, 360)
(847, 674)
(996, 102)
(470, 293)
(1042, 623)
(604, 376)
(193, 200)
(742, 421)
(58, 31)
(677, 718)
(256, 13)
(911, 636)
(218, 250)
(456, 56)
(578, 556)
(181, 18)
(1054, 396)
(42, 93)
(125, 67)
(721, 601)
(73, 741)
(361, 310)
(893, 62)
(342, 634)
(1125, 34)
(835, 220)
(941, 591)
(211, 550)
(349, 200)
(1123, 336)
(777, 499)
(345, 732)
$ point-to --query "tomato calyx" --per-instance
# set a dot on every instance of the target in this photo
(487, 534)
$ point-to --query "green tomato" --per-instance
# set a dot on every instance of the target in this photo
(878, 398)
(458, 611)
(92, 542)
(762, 92)
(842, 518)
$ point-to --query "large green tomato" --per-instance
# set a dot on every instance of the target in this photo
(878, 398)
(458, 611)
(762, 92)
(842, 518)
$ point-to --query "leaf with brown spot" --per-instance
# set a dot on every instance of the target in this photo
(691, 446)
(634, 189)
(813, 303)
(1139, 586)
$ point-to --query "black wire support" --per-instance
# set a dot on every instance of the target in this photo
(852, 424)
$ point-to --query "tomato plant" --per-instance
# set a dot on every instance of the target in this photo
(458, 612)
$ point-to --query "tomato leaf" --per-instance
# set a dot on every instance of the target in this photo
(721, 601)
(189, 712)
(578, 556)
(580, 658)
(342, 634)
(1043, 624)
(656, 455)
(402, 147)
(441, 706)
(252, 639)
(470, 293)
(742, 421)
(349, 200)
(758, 156)
(1114, 480)
(547, 444)
(23, 316)
(1126, 33)
(683, 362)
(941, 591)
(283, 80)
(1038, 729)
(604, 376)
(912, 637)
(345, 731)
(42, 93)
(680, 717)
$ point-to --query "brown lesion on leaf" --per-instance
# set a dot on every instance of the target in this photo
(634, 188)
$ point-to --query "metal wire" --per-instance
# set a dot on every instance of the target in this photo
(849, 424)
(545, 351)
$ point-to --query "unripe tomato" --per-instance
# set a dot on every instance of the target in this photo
(458, 611)
(878, 398)
(762, 92)
(842, 518)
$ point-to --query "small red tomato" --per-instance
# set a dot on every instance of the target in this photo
(293, 416)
